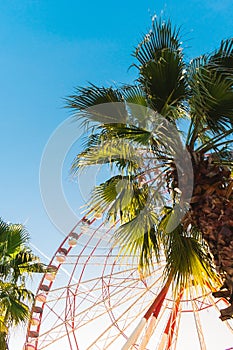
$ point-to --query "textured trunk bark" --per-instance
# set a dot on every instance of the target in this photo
(212, 212)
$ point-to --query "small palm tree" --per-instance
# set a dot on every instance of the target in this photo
(16, 262)
(195, 100)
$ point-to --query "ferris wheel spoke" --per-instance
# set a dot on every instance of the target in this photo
(153, 309)
(228, 323)
(198, 324)
(169, 334)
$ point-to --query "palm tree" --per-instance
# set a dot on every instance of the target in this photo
(16, 262)
(134, 129)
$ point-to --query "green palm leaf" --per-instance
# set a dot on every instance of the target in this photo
(120, 196)
(212, 99)
(162, 70)
(188, 261)
(137, 238)
(162, 36)
(164, 81)
(134, 94)
(16, 262)
(12, 237)
(94, 104)
(222, 59)
(108, 152)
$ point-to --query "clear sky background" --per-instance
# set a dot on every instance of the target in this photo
(49, 47)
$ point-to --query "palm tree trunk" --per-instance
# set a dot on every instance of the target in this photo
(212, 212)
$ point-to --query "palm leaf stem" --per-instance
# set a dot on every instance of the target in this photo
(212, 143)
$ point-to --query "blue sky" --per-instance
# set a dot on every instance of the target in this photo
(48, 48)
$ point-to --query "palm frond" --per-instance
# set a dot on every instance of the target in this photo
(12, 237)
(17, 237)
(4, 229)
(104, 194)
(215, 141)
(3, 340)
(162, 70)
(164, 80)
(211, 99)
(188, 260)
(120, 196)
(187, 256)
(108, 152)
(222, 58)
(17, 312)
(97, 104)
(130, 133)
(137, 104)
(130, 201)
(25, 262)
(14, 303)
(17, 261)
(137, 238)
(162, 36)
(134, 94)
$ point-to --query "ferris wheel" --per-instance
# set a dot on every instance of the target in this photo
(92, 299)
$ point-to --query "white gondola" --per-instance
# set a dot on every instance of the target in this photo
(61, 258)
(30, 347)
(41, 297)
(35, 321)
(50, 276)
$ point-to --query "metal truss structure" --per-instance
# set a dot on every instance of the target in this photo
(92, 299)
